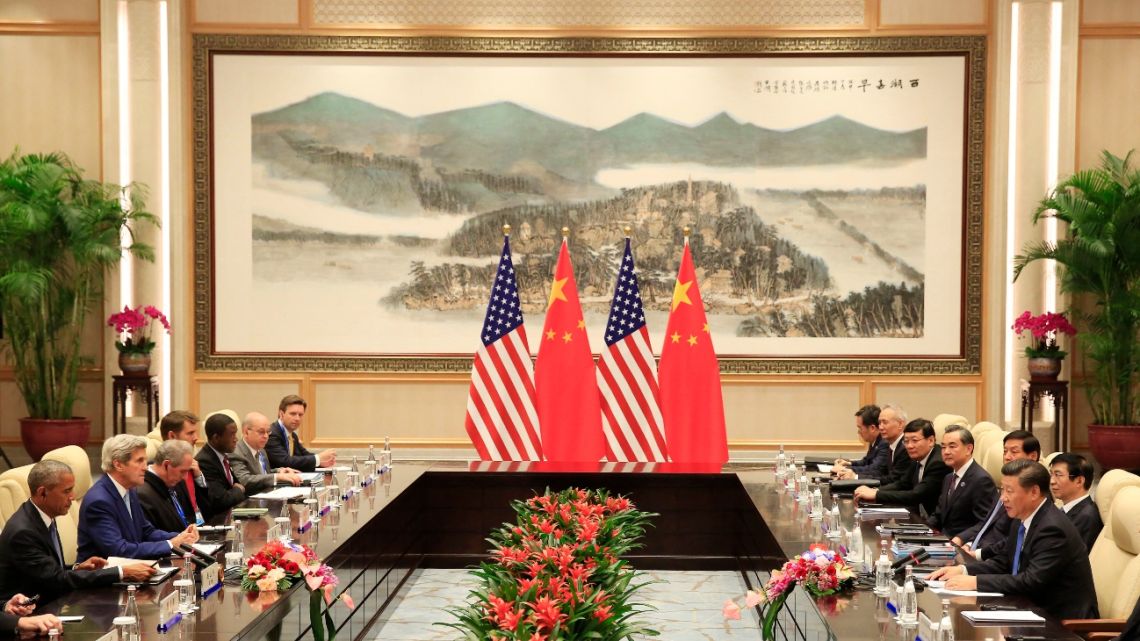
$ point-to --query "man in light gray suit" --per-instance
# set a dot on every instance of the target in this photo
(249, 462)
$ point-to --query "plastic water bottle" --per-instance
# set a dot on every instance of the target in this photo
(188, 572)
(371, 452)
(802, 488)
(131, 609)
(386, 454)
(833, 522)
(946, 626)
(781, 463)
(855, 549)
(883, 571)
(909, 611)
(816, 504)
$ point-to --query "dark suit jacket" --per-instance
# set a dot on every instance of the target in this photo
(155, 499)
(1054, 567)
(106, 528)
(1131, 630)
(29, 565)
(913, 493)
(278, 450)
(900, 464)
(877, 461)
(994, 536)
(969, 504)
(1086, 518)
(247, 469)
(221, 494)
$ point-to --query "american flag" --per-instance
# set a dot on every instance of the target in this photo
(501, 419)
(627, 377)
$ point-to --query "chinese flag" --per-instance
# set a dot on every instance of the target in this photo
(565, 385)
(689, 378)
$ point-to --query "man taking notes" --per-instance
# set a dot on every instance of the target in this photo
(249, 461)
(284, 447)
(877, 460)
(163, 494)
(918, 491)
(1044, 559)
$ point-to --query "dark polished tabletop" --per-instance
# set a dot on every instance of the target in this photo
(379, 522)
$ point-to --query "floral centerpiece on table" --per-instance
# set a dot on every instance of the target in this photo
(277, 566)
(557, 574)
(821, 573)
(133, 326)
(1044, 329)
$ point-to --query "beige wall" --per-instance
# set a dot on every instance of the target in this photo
(428, 411)
(50, 82)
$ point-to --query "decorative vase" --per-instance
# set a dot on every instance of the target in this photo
(134, 363)
(1115, 446)
(1044, 369)
(42, 435)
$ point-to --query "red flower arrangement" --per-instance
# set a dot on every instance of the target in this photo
(822, 573)
(1044, 329)
(278, 566)
(557, 573)
(135, 325)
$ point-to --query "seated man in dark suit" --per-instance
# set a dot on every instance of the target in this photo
(17, 620)
(31, 555)
(986, 537)
(1044, 559)
(918, 491)
(284, 447)
(968, 492)
(249, 462)
(876, 462)
(163, 494)
(1072, 478)
(111, 518)
(222, 488)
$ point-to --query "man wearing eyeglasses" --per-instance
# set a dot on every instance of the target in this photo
(1071, 478)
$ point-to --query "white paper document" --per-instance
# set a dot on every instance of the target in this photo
(1003, 616)
(207, 548)
(283, 493)
(825, 469)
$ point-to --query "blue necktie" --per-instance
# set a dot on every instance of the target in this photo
(54, 532)
(1017, 548)
(264, 464)
(986, 526)
(178, 507)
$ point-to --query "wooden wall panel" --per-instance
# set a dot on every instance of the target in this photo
(1108, 97)
(931, 12)
(927, 400)
(764, 414)
(90, 404)
(247, 12)
(420, 412)
(51, 97)
(1101, 12)
(244, 396)
(49, 11)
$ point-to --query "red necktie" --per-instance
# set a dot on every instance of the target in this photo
(190, 490)
(229, 472)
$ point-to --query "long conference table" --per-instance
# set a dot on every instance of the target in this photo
(421, 515)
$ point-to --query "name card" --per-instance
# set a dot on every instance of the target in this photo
(113, 635)
(925, 628)
(168, 611)
(272, 533)
(211, 579)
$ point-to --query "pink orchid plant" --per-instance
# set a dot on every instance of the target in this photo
(819, 572)
(133, 325)
(1043, 329)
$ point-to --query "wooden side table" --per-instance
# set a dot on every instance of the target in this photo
(1031, 399)
(121, 388)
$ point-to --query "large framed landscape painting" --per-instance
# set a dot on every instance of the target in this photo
(350, 194)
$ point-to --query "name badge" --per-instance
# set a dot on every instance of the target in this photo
(168, 611)
(211, 579)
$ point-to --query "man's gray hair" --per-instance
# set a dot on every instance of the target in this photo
(119, 448)
(173, 450)
(47, 474)
(899, 412)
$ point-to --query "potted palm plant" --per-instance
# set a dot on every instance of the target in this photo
(59, 237)
(1100, 268)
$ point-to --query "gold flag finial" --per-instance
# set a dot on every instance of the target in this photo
(506, 230)
(686, 230)
(565, 232)
(628, 230)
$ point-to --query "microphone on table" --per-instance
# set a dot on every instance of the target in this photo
(914, 558)
(196, 556)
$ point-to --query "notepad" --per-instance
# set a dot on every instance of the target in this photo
(283, 493)
(1004, 616)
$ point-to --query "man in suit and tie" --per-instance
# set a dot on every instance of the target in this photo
(892, 420)
(183, 426)
(221, 486)
(1044, 558)
(249, 461)
(983, 539)
(284, 447)
(163, 494)
(919, 491)
(1071, 479)
(876, 462)
(31, 554)
(17, 619)
(111, 518)
(968, 492)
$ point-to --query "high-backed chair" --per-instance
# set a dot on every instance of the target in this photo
(1115, 560)
(992, 457)
(1048, 458)
(985, 426)
(943, 421)
(76, 458)
(10, 501)
(230, 413)
(20, 476)
(153, 440)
